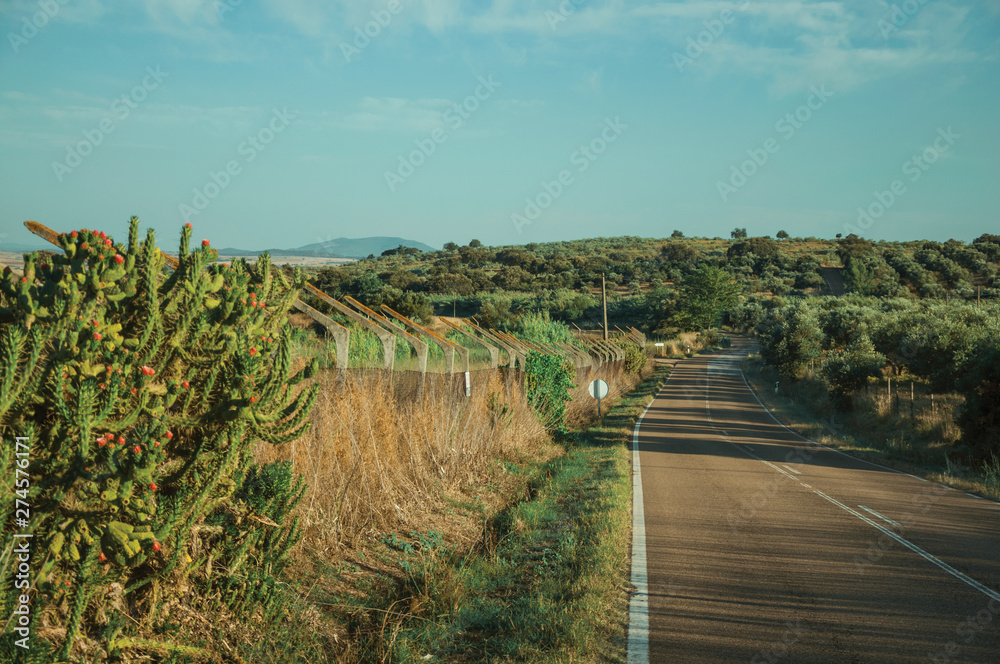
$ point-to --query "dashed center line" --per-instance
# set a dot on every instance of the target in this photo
(992, 594)
(876, 514)
(909, 545)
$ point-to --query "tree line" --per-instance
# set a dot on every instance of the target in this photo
(644, 277)
(952, 346)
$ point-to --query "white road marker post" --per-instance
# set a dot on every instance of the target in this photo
(598, 389)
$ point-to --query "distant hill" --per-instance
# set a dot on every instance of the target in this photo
(342, 247)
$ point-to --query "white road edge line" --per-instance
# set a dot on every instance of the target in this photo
(876, 514)
(813, 442)
(916, 549)
(638, 606)
(833, 449)
(792, 469)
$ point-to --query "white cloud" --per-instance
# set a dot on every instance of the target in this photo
(786, 43)
(307, 16)
(64, 121)
(78, 11)
(15, 95)
(187, 12)
(391, 113)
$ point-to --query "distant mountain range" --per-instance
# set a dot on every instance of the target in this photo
(342, 247)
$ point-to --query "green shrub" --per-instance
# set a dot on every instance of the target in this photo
(790, 339)
(849, 370)
(538, 326)
(139, 396)
(547, 380)
(980, 415)
(713, 339)
(635, 355)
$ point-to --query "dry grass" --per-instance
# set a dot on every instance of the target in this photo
(879, 428)
(383, 445)
(583, 407)
(401, 455)
(685, 343)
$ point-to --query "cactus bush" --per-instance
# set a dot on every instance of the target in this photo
(140, 394)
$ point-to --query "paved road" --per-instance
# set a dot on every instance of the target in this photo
(761, 547)
(834, 277)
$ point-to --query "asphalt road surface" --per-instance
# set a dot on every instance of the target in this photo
(754, 545)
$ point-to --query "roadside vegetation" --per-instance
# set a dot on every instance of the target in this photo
(544, 579)
(210, 486)
(910, 381)
(644, 277)
(206, 486)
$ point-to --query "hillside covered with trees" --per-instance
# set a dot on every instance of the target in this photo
(644, 277)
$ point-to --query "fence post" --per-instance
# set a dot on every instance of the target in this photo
(341, 335)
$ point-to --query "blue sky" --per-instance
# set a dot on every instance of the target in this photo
(281, 123)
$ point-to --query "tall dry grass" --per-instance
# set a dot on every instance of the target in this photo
(924, 432)
(678, 346)
(583, 407)
(382, 445)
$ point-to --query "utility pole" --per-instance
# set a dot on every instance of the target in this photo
(604, 305)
